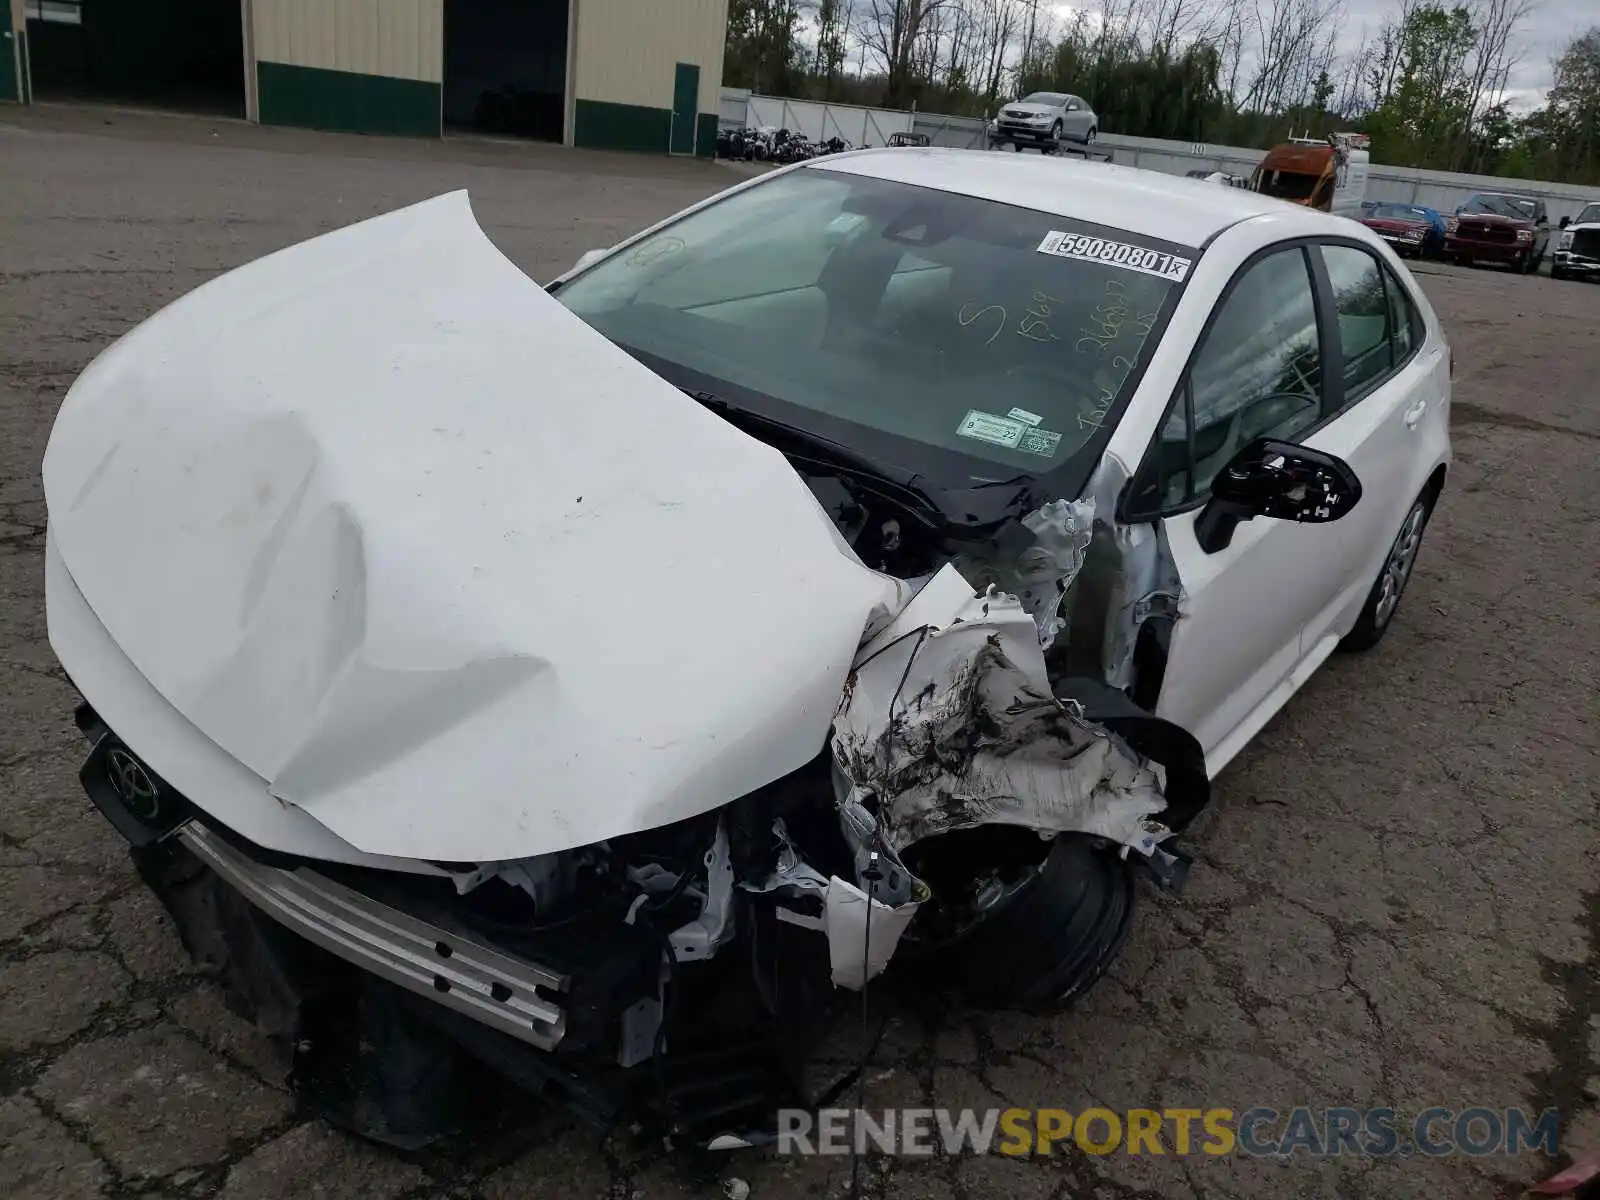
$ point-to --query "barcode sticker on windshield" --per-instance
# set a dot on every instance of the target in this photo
(1116, 254)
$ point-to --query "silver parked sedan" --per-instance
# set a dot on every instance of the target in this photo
(1045, 118)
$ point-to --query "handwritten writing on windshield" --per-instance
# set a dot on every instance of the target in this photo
(1111, 318)
(1116, 326)
(1105, 324)
(1034, 324)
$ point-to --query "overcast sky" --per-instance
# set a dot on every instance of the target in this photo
(1543, 34)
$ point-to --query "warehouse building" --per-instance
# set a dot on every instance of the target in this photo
(615, 74)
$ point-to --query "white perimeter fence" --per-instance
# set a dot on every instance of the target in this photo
(1442, 190)
(819, 122)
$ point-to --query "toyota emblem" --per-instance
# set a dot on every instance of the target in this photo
(133, 784)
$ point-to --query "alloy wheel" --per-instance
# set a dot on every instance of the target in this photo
(1397, 568)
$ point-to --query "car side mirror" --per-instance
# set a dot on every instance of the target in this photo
(1279, 480)
(1565, 221)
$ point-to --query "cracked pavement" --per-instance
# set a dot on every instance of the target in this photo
(1396, 900)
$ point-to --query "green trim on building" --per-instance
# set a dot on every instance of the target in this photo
(705, 136)
(600, 125)
(347, 102)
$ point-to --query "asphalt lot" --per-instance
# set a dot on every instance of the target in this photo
(1397, 901)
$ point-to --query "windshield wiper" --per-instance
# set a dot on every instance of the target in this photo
(817, 451)
(939, 508)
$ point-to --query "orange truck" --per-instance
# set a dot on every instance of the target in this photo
(1330, 174)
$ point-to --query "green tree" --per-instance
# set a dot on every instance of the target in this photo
(763, 50)
(1428, 99)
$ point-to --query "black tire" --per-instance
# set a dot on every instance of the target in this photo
(1090, 137)
(1557, 273)
(1017, 147)
(1055, 132)
(1052, 940)
(1377, 615)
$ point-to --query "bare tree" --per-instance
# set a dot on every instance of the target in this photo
(833, 23)
(999, 21)
(890, 31)
(1493, 57)
(1294, 48)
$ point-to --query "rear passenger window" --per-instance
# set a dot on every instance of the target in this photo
(1405, 322)
(1378, 324)
(1365, 317)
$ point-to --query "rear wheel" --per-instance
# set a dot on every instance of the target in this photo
(1384, 599)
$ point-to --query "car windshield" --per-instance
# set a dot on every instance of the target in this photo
(1591, 212)
(1500, 206)
(1053, 99)
(1289, 185)
(1399, 212)
(914, 324)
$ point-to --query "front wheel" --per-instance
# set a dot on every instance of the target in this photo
(1090, 137)
(1384, 599)
(1046, 939)
(1055, 132)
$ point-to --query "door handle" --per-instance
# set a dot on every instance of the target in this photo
(1414, 413)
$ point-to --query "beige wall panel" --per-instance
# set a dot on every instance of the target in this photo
(628, 49)
(403, 39)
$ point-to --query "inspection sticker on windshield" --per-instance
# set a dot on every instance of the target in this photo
(1026, 417)
(1039, 441)
(1116, 254)
(986, 427)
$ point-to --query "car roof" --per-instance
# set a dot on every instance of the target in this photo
(1169, 207)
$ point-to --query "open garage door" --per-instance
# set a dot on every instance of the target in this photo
(186, 54)
(505, 66)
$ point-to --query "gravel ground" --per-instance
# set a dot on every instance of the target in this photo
(1394, 905)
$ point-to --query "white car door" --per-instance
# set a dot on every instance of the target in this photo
(1256, 372)
(1389, 424)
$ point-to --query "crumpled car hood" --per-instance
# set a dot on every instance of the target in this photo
(447, 569)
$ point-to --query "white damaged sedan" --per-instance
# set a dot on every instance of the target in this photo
(862, 571)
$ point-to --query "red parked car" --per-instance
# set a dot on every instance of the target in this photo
(1406, 227)
(1496, 227)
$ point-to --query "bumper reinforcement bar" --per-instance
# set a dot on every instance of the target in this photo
(502, 992)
